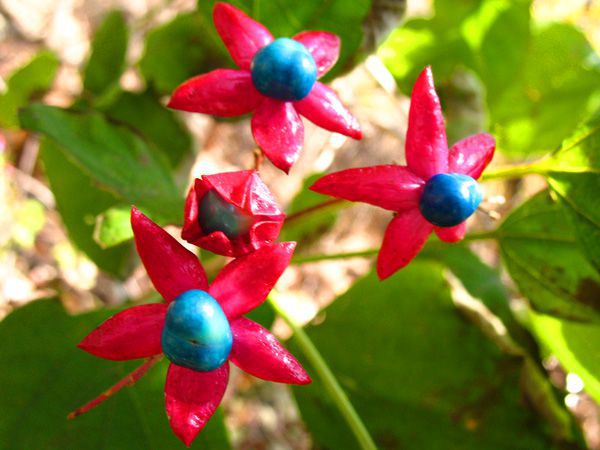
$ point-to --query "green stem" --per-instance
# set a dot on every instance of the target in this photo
(373, 251)
(334, 390)
(515, 171)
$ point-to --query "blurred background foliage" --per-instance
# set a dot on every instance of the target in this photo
(492, 343)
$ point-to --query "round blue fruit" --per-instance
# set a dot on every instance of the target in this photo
(196, 334)
(216, 214)
(449, 199)
(284, 70)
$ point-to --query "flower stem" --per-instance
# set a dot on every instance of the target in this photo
(336, 393)
(315, 258)
(129, 380)
(373, 251)
(515, 171)
(312, 209)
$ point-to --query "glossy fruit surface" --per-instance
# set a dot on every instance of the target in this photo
(216, 214)
(449, 199)
(196, 334)
(284, 70)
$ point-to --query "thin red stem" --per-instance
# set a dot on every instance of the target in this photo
(129, 380)
(258, 158)
(312, 209)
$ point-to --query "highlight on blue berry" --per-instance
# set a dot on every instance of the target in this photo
(449, 199)
(196, 333)
(284, 70)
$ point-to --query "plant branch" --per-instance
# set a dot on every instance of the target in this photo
(129, 380)
(515, 171)
(368, 253)
(336, 393)
(312, 209)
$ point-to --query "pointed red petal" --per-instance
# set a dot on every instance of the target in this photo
(172, 269)
(323, 108)
(222, 92)
(426, 144)
(452, 234)
(192, 398)
(259, 353)
(324, 48)
(130, 334)
(242, 35)
(244, 283)
(405, 236)
(391, 187)
(472, 155)
(279, 132)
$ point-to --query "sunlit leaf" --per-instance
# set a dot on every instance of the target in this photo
(541, 254)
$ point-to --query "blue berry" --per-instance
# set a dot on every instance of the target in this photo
(216, 214)
(449, 199)
(196, 334)
(284, 70)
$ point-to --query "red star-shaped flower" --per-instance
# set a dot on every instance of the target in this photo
(231, 213)
(435, 191)
(199, 327)
(276, 82)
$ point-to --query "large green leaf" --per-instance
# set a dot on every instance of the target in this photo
(79, 201)
(107, 59)
(161, 126)
(44, 377)
(479, 279)
(112, 156)
(541, 254)
(574, 175)
(32, 79)
(418, 374)
(575, 345)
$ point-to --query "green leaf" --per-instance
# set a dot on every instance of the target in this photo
(31, 80)
(574, 175)
(541, 254)
(113, 226)
(579, 196)
(180, 49)
(411, 364)
(161, 126)
(575, 345)
(45, 376)
(479, 279)
(79, 201)
(114, 157)
(107, 59)
(579, 152)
